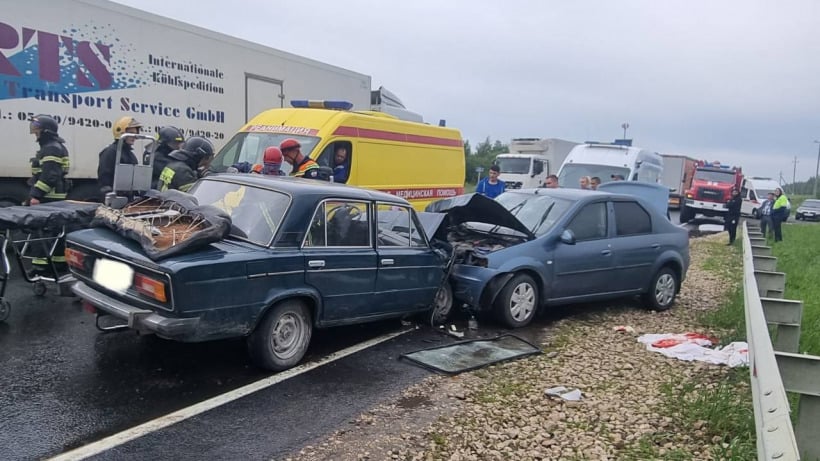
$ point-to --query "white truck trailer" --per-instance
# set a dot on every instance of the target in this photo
(678, 171)
(531, 160)
(89, 62)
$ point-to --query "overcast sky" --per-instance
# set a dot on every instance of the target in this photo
(736, 81)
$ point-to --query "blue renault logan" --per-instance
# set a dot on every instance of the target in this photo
(533, 248)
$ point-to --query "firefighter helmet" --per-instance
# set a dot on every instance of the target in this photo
(123, 124)
(44, 123)
(289, 143)
(169, 135)
(272, 155)
(199, 148)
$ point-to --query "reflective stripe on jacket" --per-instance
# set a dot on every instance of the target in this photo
(48, 170)
(177, 175)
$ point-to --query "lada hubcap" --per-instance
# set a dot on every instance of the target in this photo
(286, 335)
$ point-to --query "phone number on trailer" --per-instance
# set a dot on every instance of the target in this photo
(61, 120)
(88, 122)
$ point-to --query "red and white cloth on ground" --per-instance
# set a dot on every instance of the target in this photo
(695, 346)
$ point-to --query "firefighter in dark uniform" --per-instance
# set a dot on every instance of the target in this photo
(108, 156)
(169, 139)
(186, 165)
(48, 180)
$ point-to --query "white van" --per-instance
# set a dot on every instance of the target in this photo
(754, 191)
(610, 162)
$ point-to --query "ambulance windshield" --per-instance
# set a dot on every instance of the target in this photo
(249, 147)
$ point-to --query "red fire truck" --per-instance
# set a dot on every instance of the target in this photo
(711, 188)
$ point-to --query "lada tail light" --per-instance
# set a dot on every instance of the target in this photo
(150, 287)
(75, 258)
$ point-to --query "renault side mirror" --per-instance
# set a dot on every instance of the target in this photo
(568, 237)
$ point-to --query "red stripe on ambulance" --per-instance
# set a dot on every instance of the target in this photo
(353, 132)
(425, 192)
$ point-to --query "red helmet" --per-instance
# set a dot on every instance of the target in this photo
(273, 155)
(289, 143)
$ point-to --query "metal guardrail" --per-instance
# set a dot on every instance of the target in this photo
(776, 368)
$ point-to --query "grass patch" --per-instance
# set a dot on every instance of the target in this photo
(727, 262)
(720, 410)
(798, 255)
(439, 439)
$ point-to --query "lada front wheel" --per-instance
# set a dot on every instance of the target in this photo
(280, 341)
(442, 305)
(517, 302)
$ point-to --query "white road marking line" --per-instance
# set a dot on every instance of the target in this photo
(201, 407)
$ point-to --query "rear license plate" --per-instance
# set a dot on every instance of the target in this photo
(113, 275)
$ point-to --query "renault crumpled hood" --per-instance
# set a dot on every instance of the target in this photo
(478, 208)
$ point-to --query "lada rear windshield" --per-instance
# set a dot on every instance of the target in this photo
(250, 147)
(255, 213)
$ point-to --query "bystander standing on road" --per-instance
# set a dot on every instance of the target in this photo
(551, 182)
(733, 215)
(780, 212)
(594, 182)
(491, 186)
(765, 214)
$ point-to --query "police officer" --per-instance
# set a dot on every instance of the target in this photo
(50, 166)
(108, 156)
(303, 166)
(48, 184)
(186, 163)
(169, 139)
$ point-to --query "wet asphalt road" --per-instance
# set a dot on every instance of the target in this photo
(64, 384)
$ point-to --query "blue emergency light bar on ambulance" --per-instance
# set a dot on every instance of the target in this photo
(321, 104)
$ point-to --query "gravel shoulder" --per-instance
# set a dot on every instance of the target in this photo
(502, 412)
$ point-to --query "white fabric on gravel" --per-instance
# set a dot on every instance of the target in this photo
(689, 347)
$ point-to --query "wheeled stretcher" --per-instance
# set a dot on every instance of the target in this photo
(38, 232)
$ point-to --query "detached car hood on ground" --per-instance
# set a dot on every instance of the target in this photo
(480, 209)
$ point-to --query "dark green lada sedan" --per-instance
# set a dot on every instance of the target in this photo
(300, 254)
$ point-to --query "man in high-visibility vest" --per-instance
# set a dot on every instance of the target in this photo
(48, 184)
(303, 166)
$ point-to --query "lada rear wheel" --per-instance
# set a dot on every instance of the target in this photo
(281, 340)
(662, 290)
(517, 302)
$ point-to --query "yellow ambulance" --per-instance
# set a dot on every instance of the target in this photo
(416, 161)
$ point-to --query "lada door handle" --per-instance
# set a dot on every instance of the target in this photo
(387, 262)
(655, 246)
(606, 252)
(318, 263)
